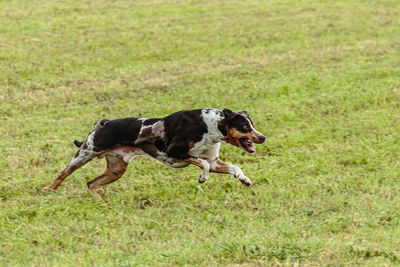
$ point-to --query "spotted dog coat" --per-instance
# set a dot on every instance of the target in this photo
(182, 138)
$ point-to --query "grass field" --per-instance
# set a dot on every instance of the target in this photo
(321, 79)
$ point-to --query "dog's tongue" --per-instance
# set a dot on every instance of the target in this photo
(250, 147)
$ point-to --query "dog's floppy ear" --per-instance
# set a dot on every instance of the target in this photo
(228, 114)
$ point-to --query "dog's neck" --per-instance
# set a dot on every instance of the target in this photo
(222, 128)
(213, 119)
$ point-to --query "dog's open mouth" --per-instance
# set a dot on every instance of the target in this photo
(247, 145)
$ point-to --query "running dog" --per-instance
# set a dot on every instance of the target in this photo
(182, 138)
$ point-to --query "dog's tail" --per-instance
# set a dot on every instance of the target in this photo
(77, 143)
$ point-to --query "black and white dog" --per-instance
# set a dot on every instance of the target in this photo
(182, 138)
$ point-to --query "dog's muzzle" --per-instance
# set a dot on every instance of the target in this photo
(260, 139)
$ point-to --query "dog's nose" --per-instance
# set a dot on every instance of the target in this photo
(262, 138)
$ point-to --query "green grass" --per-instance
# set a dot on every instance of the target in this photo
(321, 79)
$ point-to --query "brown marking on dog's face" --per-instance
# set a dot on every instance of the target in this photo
(234, 135)
(241, 132)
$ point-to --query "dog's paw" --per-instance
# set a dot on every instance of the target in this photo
(47, 189)
(246, 181)
(202, 178)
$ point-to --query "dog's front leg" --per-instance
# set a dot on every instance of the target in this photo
(175, 150)
(203, 164)
(222, 167)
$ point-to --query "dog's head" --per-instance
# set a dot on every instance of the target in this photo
(240, 131)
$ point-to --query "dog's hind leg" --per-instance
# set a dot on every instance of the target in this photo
(85, 154)
(116, 167)
(81, 158)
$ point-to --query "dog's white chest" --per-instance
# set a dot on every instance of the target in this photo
(208, 147)
(206, 150)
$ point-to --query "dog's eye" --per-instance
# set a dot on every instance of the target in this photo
(245, 127)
